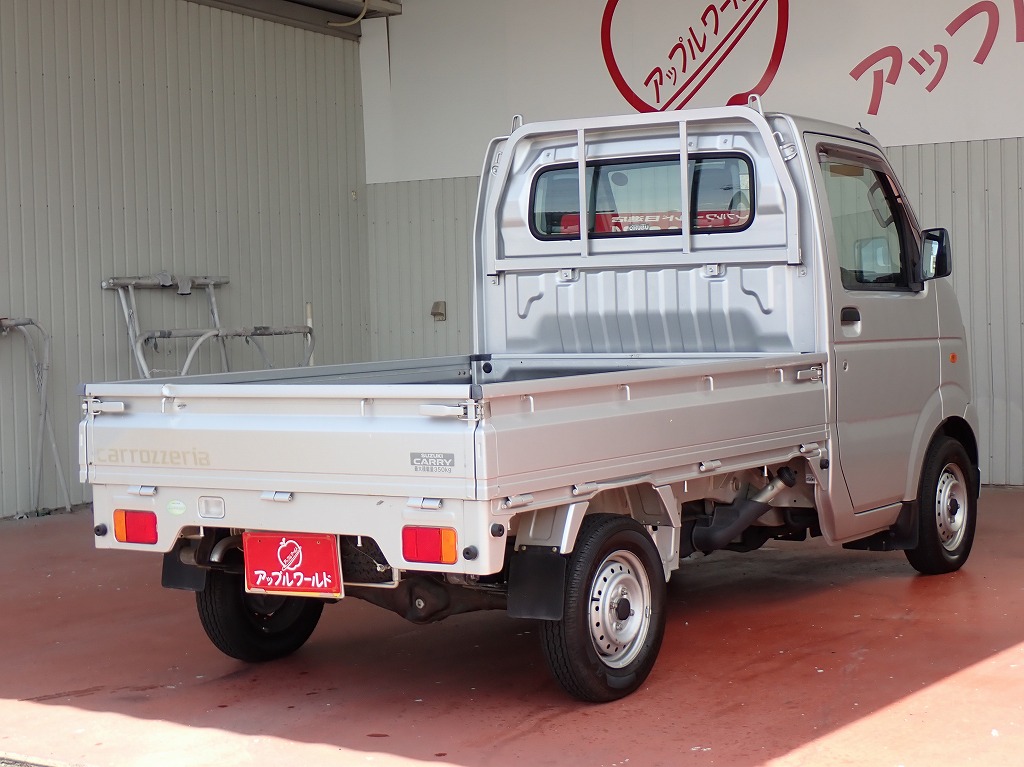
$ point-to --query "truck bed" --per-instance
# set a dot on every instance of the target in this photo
(333, 449)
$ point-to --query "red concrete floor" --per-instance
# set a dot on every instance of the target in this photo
(793, 655)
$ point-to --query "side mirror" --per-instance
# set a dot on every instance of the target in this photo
(936, 254)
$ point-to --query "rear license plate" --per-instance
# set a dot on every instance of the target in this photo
(292, 564)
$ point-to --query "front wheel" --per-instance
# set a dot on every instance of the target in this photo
(613, 618)
(947, 509)
(254, 627)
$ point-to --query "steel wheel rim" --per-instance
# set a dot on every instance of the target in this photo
(951, 504)
(620, 609)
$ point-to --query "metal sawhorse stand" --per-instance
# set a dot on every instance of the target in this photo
(126, 288)
(41, 371)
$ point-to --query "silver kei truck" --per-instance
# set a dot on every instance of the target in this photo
(694, 331)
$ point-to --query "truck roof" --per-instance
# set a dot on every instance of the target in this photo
(814, 125)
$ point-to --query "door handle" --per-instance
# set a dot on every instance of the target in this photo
(849, 315)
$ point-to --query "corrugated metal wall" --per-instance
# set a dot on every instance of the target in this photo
(146, 135)
(974, 189)
(421, 252)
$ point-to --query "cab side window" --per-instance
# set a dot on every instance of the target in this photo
(876, 248)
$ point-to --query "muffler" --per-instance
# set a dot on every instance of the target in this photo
(729, 521)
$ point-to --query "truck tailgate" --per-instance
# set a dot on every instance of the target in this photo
(355, 439)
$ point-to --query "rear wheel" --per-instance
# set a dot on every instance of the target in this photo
(613, 618)
(948, 509)
(254, 627)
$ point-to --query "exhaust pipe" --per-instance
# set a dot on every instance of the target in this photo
(729, 521)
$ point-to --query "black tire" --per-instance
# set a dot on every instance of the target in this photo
(947, 509)
(254, 627)
(596, 651)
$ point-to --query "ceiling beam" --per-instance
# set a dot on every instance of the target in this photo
(314, 15)
(374, 8)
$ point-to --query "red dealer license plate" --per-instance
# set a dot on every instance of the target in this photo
(293, 564)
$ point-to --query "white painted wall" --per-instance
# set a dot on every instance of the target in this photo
(143, 135)
(447, 75)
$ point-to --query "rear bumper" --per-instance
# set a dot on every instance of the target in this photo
(183, 511)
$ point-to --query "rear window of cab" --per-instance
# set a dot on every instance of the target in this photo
(642, 197)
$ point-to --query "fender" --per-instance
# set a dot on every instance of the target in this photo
(536, 578)
(931, 417)
(949, 400)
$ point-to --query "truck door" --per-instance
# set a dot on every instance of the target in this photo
(884, 321)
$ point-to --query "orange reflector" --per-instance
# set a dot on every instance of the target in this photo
(953, 358)
(135, 526)
(438, 545)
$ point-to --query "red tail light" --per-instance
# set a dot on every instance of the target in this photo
(437, 545)
(135, 526)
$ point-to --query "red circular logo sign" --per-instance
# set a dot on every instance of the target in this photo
(706, 36)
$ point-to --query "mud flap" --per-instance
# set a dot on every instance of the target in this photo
(536, 584)
(178, 575)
